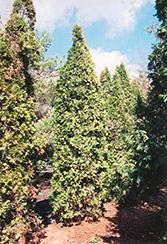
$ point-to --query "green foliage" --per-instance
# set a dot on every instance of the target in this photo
(150, 141)
(45, 91)
(45, 77)
(45, 138)
(154, 118)
(25, 9)
(23, 43)
(137, 88)
(80, 158)
(161, 7)
(95, 240)
(158, 73)
(45, 42)
(18, 50)
(105, 79)
(121, 109)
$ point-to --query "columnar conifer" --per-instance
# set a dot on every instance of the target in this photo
(156, 112)
(19, 52)
(80, 159)
(121, 113)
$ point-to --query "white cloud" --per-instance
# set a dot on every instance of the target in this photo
(51, 13)
(111, 60)
(5, 9)
(119, 15)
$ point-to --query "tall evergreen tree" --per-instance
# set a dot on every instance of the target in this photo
(122, 99)
(151, 151)
(19, 52)
(122, 129)
(80, 159)
(151, 156)
(156, 113)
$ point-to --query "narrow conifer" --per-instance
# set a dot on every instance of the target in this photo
(81, 147)
(121, 113)
(18, 52)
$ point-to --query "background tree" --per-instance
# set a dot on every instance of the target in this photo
(80, 158)
(151, 155)
(45, 77)
(157, 100)
(45, 90)
(19, 54)
(105, 79)
(121, 110)
(154, 118)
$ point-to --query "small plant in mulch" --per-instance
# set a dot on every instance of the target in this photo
(96, 239)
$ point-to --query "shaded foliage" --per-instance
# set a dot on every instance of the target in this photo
(154, 115)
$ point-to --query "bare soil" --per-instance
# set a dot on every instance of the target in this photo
(124, 224)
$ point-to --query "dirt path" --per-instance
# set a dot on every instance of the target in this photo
(119, 225)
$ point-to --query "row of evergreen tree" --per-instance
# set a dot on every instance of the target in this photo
(108, 141)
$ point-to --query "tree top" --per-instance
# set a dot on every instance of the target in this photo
(25, 9)
(77, 33)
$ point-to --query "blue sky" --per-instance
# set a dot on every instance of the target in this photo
(113, 29)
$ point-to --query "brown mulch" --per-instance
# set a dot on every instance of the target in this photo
(124, 224)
